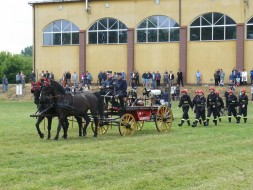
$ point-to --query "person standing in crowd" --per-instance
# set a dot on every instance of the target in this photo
(18, 78)
(186, 104)
(144, 79)
(171, 78)
(137, 78)
(237, 77)
(47, 74)
(251, 76)
(173, 92)
(5, 84)
(212, 101)
(200, 104)
(22, 75)
(220, 105)
(51, 76)
(180, 78)
(158, 79)
(42, 75)
(222, 77)
(32, 77)
(68, 77)
(233, 75)
(243, 106)
(198, 78)
(100, 78)
(123, 75)
(89, 77)
(153, 80)
(244, 76)
(165, 79)
(177, 92)
(216, 78)
(75, 79)
(149, 79)
(232, 104)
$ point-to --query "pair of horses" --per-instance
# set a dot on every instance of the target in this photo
(54, 101)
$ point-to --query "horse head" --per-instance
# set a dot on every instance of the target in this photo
(36, 89)
(51, 89)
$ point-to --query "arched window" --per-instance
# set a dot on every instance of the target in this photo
(250, 29)
(158, 29)
(61, 32)
(107, 31)
(213, 26)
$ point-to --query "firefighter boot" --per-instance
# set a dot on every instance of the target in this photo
(219, 119)
(188, 122)
(245, 120)
(215, 122)
(229, 119)
(238, 119)
(194, 124)
(180, 124)
(205, 124)
(200, 121)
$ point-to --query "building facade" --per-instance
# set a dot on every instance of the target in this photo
(143, 35)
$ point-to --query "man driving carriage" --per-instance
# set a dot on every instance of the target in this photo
(121, 90)
(113, 90)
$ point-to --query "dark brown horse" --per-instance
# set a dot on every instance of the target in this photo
(68, 104)
(47, 110)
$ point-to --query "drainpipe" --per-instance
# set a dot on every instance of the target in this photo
(86, 5)
(179, 12)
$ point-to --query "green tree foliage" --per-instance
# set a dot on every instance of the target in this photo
(10, 65)
(28, 51)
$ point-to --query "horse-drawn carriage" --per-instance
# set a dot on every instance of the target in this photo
(136, 112)
(128, 119)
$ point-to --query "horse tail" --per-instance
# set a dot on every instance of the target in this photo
(100, 103)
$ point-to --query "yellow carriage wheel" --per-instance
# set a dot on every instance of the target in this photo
(127, 125)
(163, 119)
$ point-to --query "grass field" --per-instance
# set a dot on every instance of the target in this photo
(214, 157)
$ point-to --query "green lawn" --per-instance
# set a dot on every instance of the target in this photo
(214, 157)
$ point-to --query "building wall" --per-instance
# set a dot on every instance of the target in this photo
(157, 57)
(208, 57)
(203, 56)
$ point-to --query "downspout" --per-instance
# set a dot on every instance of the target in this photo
(179, 12)
(34, 41)
(86, 5)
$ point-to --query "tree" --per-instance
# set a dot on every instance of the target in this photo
(10, 65)
(28, 51)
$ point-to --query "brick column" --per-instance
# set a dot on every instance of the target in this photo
(130, 52)
(82, 52)
(240, 46)
(183, 52)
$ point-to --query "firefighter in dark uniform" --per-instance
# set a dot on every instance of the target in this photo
(200, 108)
(194, 102)
(212, 101)
(243, 105)
(185, 103)
(232, 104)
(219, 105)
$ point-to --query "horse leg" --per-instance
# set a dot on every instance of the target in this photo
(37, 125)
(95, 118)
(87, 121)
(58, 130)
(49, 124)
(65, 128)
(79, 121)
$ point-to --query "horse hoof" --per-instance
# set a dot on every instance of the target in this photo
(84, 134)
(41, 135)
(56, 138)
(80, 135)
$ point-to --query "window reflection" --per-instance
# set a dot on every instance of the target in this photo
(61, 32)
(158, 29)
(107, 31)
(213, 26)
